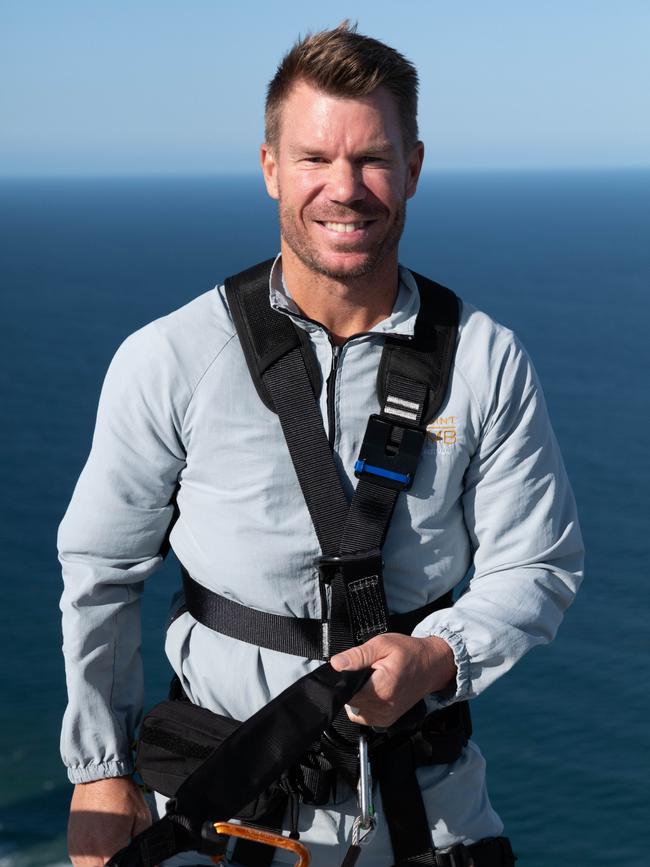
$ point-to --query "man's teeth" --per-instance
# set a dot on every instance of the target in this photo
(344, 227)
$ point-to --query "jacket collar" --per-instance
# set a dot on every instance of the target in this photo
(401, 320)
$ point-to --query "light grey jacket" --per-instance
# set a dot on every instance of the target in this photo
(179, 413)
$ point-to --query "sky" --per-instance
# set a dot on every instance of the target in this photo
(102, 87)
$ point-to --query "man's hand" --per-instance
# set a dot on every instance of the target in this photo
(104, 815)
(405, 670)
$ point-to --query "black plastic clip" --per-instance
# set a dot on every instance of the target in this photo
(389, 453)
(350, 566)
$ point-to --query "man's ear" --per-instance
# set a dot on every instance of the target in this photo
(270, 170)
(414, 167)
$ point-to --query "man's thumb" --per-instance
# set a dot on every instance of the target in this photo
(353, 659)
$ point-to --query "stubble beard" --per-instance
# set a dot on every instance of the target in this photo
(299, 243)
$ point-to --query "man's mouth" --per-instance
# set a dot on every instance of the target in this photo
(344, 227)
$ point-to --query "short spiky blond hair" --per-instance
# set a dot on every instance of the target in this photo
(342, 62)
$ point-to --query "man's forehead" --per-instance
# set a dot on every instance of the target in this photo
(310, 114)
(307, 92)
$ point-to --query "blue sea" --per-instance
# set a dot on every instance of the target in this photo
(561, 257)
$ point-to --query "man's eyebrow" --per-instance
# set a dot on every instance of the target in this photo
(380, 147)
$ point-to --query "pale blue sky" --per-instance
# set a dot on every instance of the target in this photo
(177, 86)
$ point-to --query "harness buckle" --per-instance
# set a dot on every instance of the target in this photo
(458, 856)
(360, 578)
(389, 453)
(350, 567)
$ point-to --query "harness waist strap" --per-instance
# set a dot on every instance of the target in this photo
(299, 636)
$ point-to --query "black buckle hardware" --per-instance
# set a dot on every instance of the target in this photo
(360, 577)
(350, 567)
(458, 856)
(389, 453)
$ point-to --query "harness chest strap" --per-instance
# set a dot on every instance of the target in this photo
(412, 380)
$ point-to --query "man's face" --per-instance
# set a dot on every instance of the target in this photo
(342, 177)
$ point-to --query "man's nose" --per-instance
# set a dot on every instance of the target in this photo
(345, 182)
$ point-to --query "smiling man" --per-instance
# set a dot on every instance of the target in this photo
(278, 574)
(341, 168)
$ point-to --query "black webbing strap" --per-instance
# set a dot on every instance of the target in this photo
(245, 764)
(491, 852)
(411, 384)
(404, 809)
(249, 852)
(282, 365)
(300, 636)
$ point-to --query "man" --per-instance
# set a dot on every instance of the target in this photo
(181, 425)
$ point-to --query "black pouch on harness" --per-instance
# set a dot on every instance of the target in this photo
(176, 737)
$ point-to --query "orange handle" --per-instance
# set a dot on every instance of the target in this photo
(259, 835)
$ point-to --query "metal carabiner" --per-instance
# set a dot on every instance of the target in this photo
(364, 789)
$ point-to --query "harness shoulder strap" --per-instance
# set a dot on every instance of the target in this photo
(428, 356)
(265, 334)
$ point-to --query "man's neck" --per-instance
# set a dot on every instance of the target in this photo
(343, 306)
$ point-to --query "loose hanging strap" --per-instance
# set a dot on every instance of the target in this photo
(245, 764)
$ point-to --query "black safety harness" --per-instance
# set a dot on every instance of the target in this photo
(412, 381)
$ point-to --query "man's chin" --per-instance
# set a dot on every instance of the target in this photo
(348, 271)
(342, 266)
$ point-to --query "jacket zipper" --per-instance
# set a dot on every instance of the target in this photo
(331, 395)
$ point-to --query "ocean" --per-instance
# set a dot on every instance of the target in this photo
(563, 258)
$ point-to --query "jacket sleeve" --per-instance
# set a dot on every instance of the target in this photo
(522, 523)
(109, 542)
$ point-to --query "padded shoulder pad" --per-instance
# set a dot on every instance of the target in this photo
(427, 356)
(265, 334)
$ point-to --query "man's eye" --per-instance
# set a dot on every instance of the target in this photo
(315, 160)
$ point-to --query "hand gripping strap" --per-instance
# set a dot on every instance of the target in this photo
(245, 764)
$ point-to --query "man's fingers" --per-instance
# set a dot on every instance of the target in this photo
(355, 715)
(356, 658)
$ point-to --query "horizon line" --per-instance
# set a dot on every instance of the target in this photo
(205, 175)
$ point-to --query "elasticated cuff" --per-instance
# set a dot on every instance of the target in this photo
(461, 658)
(101, 771)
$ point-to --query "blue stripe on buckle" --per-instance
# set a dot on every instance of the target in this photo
(362, 467)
